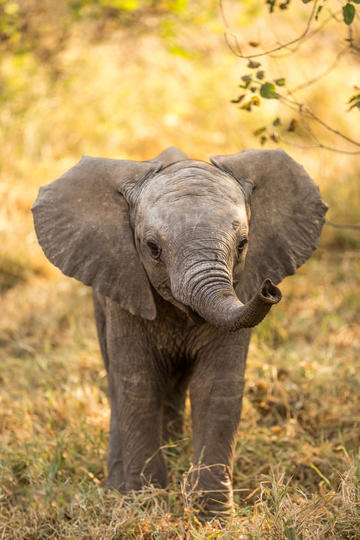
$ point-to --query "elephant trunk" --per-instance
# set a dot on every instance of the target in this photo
(213, 298)
(228, 312)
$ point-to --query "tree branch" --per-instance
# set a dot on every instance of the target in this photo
(237, 51)
(290, 100)
(308, 36)
(304, 109)
(323, 74)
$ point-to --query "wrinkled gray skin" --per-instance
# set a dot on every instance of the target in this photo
(183, 257)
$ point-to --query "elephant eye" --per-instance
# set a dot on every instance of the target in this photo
(241, 245)
(154, 249)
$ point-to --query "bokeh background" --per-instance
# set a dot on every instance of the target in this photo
(125, 79)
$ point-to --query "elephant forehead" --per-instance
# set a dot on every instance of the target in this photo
(199, 218)
(191, 180)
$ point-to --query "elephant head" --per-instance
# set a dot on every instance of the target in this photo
(213, 239)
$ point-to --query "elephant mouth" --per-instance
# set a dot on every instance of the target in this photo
(165, 292)
(194, 316)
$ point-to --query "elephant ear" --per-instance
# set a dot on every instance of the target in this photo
(287, 215)
(171, 155)
(82, 223)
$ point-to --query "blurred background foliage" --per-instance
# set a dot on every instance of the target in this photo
(125, 79)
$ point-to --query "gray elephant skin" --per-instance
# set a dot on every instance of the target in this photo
(184, 257)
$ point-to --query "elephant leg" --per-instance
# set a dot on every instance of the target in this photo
(138, 407)
(100, 321)
(216, 392)
(136, 397)
(174, 405)
(115, 477)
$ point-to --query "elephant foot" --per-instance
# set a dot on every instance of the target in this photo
(134, 479)
(211, 493)
(115, 478)
(213, 505)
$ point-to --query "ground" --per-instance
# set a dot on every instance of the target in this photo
(297, 460)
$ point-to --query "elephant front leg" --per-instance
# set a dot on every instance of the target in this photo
(134, 455)
(134, 447)
(115, 477)
(136, 397)
(216, 393)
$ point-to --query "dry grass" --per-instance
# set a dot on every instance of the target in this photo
(297, 462)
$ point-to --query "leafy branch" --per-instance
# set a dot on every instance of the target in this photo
(257, 87)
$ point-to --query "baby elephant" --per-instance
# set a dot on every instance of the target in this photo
(183, 257)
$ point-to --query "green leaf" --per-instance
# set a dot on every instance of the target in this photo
(355, 1)
(267, 90)
(280, 82)
(277, 122)
(348, 13)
